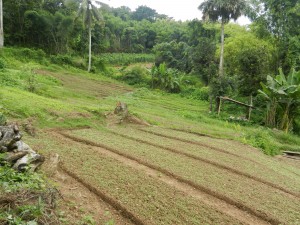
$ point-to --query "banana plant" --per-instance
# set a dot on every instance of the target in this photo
(166, 78)
(283, 96)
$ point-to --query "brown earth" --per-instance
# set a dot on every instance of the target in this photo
(79, 201)
(222, 203)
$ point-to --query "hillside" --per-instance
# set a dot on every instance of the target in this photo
(188, 167)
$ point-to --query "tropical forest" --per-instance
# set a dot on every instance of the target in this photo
(114, 115)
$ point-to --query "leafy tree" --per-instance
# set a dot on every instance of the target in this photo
(89, 12)
(122, 12)
(1, 25)
(282, 19)
(14, 15)
(223, 11)
(61, 27)
(144, 13)
(249, 59)
(53, 6)
(175, 55)
(203, 48)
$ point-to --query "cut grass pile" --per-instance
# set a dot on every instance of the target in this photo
(247, 192)
(152, 201)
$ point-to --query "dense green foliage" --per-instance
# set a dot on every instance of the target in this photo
(283, 100)
(188, 51)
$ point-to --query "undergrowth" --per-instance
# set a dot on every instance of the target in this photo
(26, 198)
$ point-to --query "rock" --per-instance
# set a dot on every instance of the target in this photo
(9, 136)
(22, 146)
(31, 161)
(19, 154)
(12, 157)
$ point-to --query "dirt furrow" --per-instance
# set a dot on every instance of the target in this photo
(198, 143)
(192, 132)
(223, 203)
(103, 196)
(205, 135)
(74, 192)
(220, 166)
(210, 147)
(123, 211)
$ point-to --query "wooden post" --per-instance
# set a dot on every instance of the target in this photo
(210, 103)
(220, 103)
(250, 108)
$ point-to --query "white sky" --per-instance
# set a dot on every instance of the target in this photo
(179, 10)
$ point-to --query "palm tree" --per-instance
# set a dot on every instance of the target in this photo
(89, 13)
(1, 25)
(223, 11)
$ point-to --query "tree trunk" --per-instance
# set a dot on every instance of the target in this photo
(210, 103)
(1, 25)
(90, 48)
(271, 113)
(221, 65)
(285, 121)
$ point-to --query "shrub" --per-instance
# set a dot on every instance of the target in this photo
(136, 75)
(26, 54)
(61, 59)
(263, 140)
(7, 79)
(100, 65)
(125, 58)
(2, 64)
(167, 79)
(196, 93)
(32, 83)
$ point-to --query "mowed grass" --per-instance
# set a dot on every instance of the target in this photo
(253, 194)
(146, 197)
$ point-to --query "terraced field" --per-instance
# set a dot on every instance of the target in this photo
(135, 190)
(175, 173)
(153, 175)
(83, 85)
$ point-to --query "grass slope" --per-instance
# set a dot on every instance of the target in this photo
(187, 142)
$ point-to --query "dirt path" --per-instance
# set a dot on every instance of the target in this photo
(220, 166)
(219, 202)
(80, 203)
